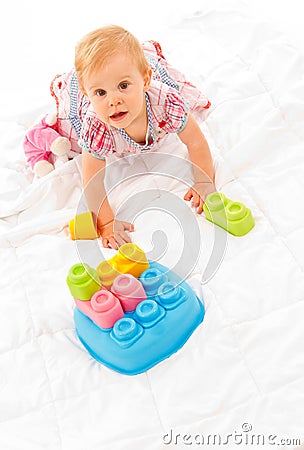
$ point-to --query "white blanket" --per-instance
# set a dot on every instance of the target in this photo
(239, 378)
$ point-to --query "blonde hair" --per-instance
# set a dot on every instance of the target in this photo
(93, 50)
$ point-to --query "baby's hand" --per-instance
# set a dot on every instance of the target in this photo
(198, 193)
(114, 234)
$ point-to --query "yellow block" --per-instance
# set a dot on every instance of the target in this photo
(82, 227)
(129, 259)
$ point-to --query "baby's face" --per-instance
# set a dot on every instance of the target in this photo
(116, 92)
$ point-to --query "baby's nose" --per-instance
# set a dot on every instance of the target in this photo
(114, 100)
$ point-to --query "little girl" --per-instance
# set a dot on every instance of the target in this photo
(124, 98)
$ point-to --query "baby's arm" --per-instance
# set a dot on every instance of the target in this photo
(111, 231)
(202, 164)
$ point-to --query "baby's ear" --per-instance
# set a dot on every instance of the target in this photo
(81, 88)
(147, 79)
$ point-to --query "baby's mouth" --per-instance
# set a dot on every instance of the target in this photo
(116, 117)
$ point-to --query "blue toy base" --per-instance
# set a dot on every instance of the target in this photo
(157, 328)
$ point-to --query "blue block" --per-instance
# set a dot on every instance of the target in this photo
(157, 328)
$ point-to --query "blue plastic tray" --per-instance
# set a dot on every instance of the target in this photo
(157, 328)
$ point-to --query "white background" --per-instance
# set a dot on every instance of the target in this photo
(38, 38)
(245, 364)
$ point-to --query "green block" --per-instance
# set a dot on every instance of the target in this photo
(83, 281)
(234, 217)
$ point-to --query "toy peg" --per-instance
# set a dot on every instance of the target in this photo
(82, 227)
(234, 217)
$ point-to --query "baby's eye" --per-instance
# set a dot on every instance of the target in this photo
(100, 92)
(124, 85)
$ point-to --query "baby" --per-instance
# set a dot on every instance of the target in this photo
(129, 99)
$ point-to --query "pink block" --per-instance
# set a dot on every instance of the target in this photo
(129, 291)
(103, 308)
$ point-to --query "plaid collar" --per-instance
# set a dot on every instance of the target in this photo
(150, 128)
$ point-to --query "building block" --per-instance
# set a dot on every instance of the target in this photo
(159, 326)
(129, 259)
(103, 308)
(148, 313)
(82, 227)
(129, 291)
(83, 281)
(107, 274)
(234, 217)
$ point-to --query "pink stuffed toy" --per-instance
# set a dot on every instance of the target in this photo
(43, 145)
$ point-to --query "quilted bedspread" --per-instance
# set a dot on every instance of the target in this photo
(238, 382)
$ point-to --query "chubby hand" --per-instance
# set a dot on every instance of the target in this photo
(198, 193)
(113, 234)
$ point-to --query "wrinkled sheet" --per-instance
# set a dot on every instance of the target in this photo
(240, 375)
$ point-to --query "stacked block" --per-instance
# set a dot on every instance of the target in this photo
(129, 259)
(139, 318)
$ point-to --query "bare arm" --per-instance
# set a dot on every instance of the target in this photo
(112, 232)
(202, 164)
(199, 152)
(93, 173)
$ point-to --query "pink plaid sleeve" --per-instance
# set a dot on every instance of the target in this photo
(95, 138)
(176, 112)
